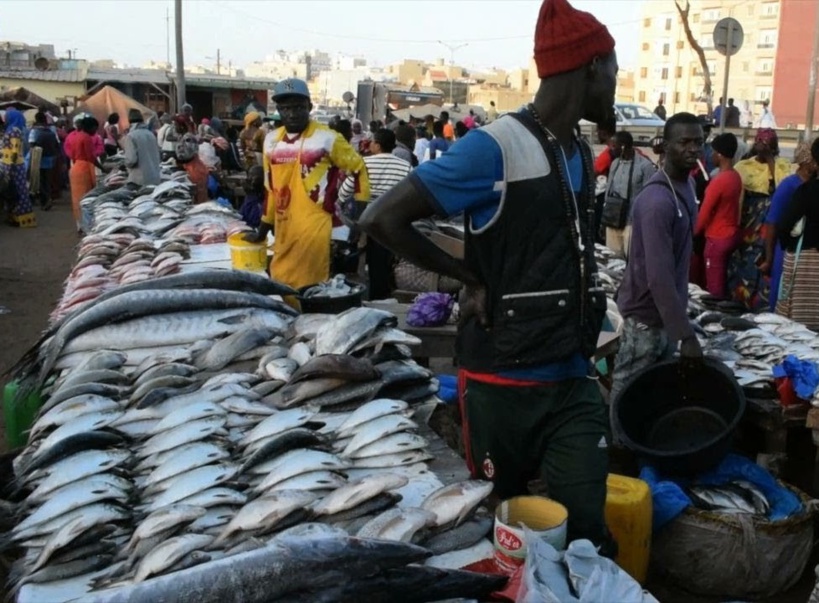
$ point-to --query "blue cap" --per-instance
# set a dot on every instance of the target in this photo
(291, 87)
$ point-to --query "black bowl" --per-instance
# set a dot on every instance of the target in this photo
(680, 420)
(331, 305)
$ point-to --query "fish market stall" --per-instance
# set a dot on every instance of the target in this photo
(197, 439)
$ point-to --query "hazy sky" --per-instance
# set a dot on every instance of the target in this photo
(498, 33)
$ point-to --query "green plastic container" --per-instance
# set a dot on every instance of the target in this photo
(19, 415)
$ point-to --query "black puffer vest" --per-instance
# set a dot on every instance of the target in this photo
(544, 301)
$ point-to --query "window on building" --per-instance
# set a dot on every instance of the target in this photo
(676, 98)
(666, 49)
(750, 10)
(678, 72)
(646, 46)
(664, 73)
(680, 45)
(707, 41)
(764, 67)
(646, 22)
(695, 17)
(711, 14)
(643, 71)
(767, 38)
(762, 93)
(668, 24)
(693, 97)
(770, 9)
(746, 66)
(641, 97)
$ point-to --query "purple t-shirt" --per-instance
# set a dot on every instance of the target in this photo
(655, 285)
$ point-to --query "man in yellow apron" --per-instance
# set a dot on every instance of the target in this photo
(298, 158)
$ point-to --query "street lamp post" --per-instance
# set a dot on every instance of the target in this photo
(452, 48)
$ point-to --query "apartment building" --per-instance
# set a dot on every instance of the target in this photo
(668, 68)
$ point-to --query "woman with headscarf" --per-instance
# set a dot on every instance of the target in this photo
(13, 170)
(781, 200)
(798, 233)
(112, 134)
(226, 151)
(166, 146)
(186, 118)
(247, 138)
(761, 174)
(187, 157)
(84, 160)
(358, 134)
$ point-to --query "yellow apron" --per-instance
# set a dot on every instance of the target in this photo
(301, 250)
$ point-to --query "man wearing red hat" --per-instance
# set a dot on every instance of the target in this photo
(532, 305)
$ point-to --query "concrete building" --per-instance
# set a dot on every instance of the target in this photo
(39, 70)
(408, 72)
(774, 57)
(280, 65)
(329, 87)
(626, 86)
(519, 80)
(506, 98)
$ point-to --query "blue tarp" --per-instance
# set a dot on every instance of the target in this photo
(803, 375)
(669, 497)
(448, 388)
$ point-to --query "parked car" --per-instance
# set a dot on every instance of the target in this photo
(628, 114)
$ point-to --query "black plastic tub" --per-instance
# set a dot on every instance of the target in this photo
(331, 305)
(680, 420)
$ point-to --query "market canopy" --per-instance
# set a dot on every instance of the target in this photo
(109, 100)
(26, 97)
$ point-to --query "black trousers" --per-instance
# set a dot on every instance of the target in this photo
(45, 187)
(379, 270)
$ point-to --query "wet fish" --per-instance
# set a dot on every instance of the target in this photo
(181, 487)
(377, 429)
(369, 411)
(372, 506)
(224, 351)
(214, 497)
(336, 366)
(397, 524)
(186, 458)
(81, 424)
(358, 392)
(454, 503)
(103, 390)
(299, 393)
(391, 444)
(295, 463)
(184, 434)
(358, 491)
(460, 537)
(280, 369)
(286, 441)
(89, 440)
(185, 414)
(164, 370)
(67, 535)
(398, 459)
(300, 353)
(306, 326)
(165, 381)
(212, 518)
(276, 424)
(70, 410)
(265, 512)
(94, 376)
(386, 336)
(168, 553)
(349, 328)
(313, 480)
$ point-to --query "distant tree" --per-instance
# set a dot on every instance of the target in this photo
(707, 89)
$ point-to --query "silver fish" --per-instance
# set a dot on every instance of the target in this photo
(377, 429)
(194, 431)
(349, 328)
(295, 463)
(306, 326)
(454, 503)
(280, 369)
(76, 377)
(246, 407)
(164, 370)
(65, 536)
(181, 487)
(71, 409)
(88, 422)
(214, 497)
(300, 353)
(313, 480)
(185, 414)
(170, 381)
(212, 518)
(300, 393)
(391, 444)
(398, 459)
(397, 524)
(186, 458)
(224, 351)
(369, 411)
(358, 491)
(384, 336)
(265, 512)
(168, 553)
(276, 424)
(94, 481)
(162, 520)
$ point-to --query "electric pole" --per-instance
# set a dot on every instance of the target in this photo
(180, 57)
(218, 62)
(168, 37)
(452, 49)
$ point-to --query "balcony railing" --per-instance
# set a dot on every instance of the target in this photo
(766, 45)
(764, 72)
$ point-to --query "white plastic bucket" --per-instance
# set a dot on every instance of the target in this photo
(545, 517)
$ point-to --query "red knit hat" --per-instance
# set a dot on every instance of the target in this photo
(567, 38)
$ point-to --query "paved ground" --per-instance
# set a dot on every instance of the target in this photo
(34, 262)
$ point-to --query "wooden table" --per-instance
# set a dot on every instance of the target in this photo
(439, 342)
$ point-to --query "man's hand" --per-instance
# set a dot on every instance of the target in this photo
(472, 302)
(254, 237)
(690, 350)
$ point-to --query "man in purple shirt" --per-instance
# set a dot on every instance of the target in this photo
(653, 298)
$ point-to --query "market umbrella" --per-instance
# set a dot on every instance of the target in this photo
(109, 100)
(15, 104)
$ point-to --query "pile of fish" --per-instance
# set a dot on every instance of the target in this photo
(162, 211)
(338, 286)
(738, 496)
(188, 420)
(106, 262)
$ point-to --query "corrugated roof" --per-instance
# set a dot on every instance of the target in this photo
(134, 76)
(225, 81)
(54, 75)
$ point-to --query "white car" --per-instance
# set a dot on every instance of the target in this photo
(628, 114)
